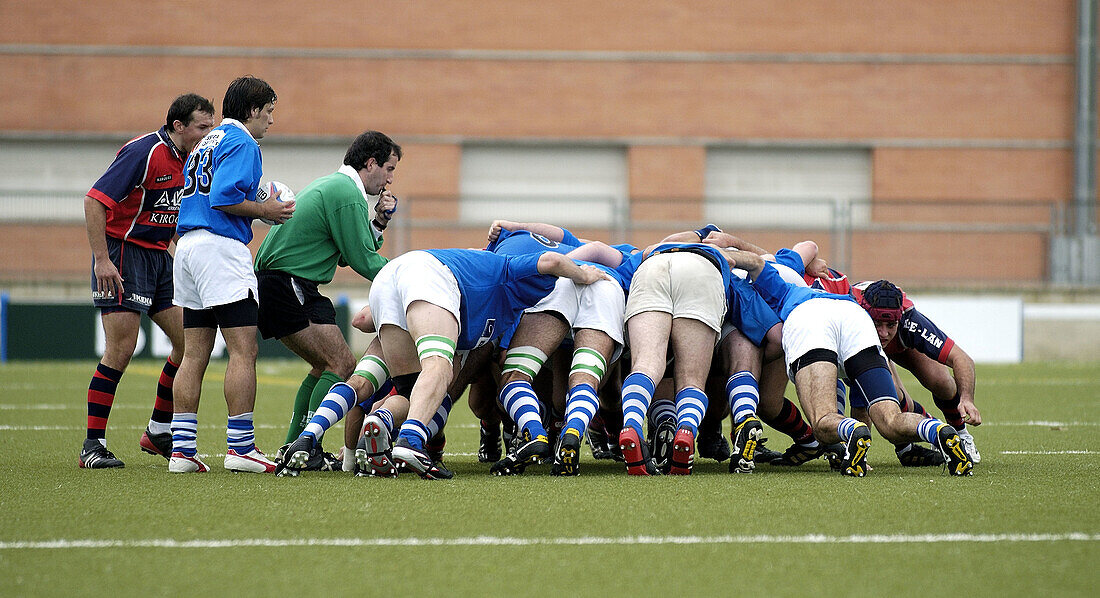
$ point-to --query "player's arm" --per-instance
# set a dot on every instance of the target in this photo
(272, 209)
(554, 233)
(962, 369)
(107, 276)
(597, 252)
(354, 239)
(561, 266)
(807, 250)
(230, 186)
(749, 261)
(726, 240)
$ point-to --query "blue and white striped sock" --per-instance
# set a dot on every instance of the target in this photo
(581, 406)
(743, 393)
(661, 409)
(332, 409)
(386, 417)
(415, 432)
(522, 405)
(637, 394)
(846, 427)
(929, 430)
(440, 418)
(240, 434)
(691, 404)
(185, 428)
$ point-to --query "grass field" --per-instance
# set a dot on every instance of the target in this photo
(1026, 523)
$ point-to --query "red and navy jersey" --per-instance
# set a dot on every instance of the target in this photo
(836, 282)
(141, 190)
(915, 330)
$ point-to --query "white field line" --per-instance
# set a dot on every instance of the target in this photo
(62, 544)
(1050, 453)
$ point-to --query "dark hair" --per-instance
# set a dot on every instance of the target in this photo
(185, 105)
(244, 94)
(371, 144)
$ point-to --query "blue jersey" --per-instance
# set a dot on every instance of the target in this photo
(224, 170)
(791, 259)
(495, 290)
(748, 312)
(520, 242)
(783, 296)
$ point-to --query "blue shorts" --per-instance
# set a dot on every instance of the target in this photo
(146, 279)
(749, 313)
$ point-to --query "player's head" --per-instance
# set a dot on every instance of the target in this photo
(250, 100)
(190, 117)
(375, 155)
(882, 300)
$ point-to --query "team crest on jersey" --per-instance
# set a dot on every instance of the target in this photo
(544, 241)
(169, 200)
(486, 332)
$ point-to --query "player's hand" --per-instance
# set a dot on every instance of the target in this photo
(497, 225)
(590, 274)
(719, 238)
(278, 211)
(386, 207)
(969, 413)
(107, 278)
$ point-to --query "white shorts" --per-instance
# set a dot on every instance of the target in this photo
(598, 306)
(413, 276)
(834, 324)
(211, 270)
(692, 289)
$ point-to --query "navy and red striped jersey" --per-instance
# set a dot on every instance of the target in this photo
(836, 282)
(141, 190)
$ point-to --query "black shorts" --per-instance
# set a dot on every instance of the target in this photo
(146, 279)
(231, 315)
(289, 304)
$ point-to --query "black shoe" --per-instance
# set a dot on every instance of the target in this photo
(438, 471)
(567, 459)
(598, 441)
(765, 454)
(416, 460)
(949, 443)
(661, 444)
(834, 454)
(156, 444)
(743, 452)
(797, 454)
(529, 451)
(296, 455)
(914, 455)
(488, 448)
(94, 455)
(855, 452)
(713, 445)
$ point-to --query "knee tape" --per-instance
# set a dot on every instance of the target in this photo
(589, 362)
(812, 356)
(525, 360)
(874, 384)
(434, 345)
(866, 359)
(374, 370)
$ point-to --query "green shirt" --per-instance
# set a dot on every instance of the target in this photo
(331, 227)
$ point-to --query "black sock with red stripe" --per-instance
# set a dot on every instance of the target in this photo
(790, 422)
(101, 395)
(912, 406)
(950, 409)
(162, 407)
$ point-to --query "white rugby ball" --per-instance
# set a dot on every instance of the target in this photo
(268, 190)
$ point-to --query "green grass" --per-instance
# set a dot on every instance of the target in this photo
(542, 535)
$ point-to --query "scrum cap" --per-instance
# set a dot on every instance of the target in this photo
(883, 301)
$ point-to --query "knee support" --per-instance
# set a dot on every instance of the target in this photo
(374, 370)
(590, 362)
(434, 345)
(869, 358)
(812, 356)
(524, 360)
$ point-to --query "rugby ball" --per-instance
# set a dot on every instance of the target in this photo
(270, 189)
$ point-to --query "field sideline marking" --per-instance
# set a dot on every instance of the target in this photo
(576, 541)
(1049, 452)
